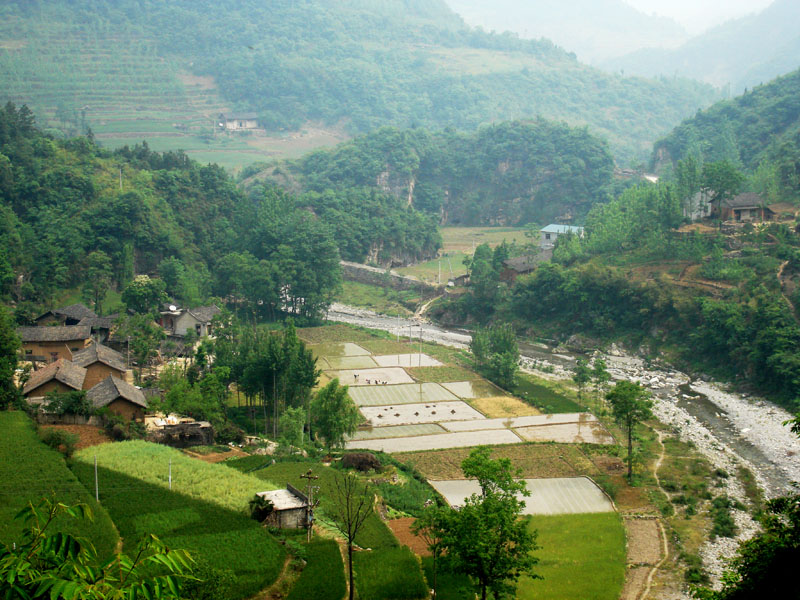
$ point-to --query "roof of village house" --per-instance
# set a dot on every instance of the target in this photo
(746, 200)
(63, 333)
(100, 322)
(524, 264)
(242, 116)
(99, 353)
(284, 499)
(111, 388)
(204, 314)
(783, 208)
(73, 311)
(62, 370)
(555, 228)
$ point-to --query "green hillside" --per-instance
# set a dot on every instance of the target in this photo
(761, 126)
(313, 71)
(505, 174)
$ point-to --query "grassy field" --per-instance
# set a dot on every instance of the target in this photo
(190, 477)
(580, 556)
(547, 396)
(382, 300)
(29, 470)
(193, 515)
(323, 576)
(464, 239)
(389, 574)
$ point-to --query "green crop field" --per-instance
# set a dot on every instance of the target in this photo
(541, 395)
(407, 393)
(580, 556)
(199, 518)
(191, 477)
(389, 574)
(323, 576)
(29, 470)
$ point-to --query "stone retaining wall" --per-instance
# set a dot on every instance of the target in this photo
(385, 278)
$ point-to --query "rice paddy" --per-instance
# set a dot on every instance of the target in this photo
(390, 395)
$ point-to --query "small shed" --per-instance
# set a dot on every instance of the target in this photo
(238, 121)
(745, 207)
(120, 397)
(550, 234)
(289, 508)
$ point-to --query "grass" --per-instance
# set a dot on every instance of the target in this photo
(449, 586)
(226, 539)
(580, 556)
(379, 299)
(430, 271)
(323, 577)
(191, 477)
(388, 574)
(443, 374)
(543, 396)
(333, 333)
(534, 460)
(29, 470)
(462, 239)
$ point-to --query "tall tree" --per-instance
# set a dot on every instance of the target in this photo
(143, 338)
(97, 279)
(581, 375)
(486, 539)
(721, 180)
(351, 505)
(144, 295)
(335, 414)
(600, 376)
(630, 405)
(9, 347)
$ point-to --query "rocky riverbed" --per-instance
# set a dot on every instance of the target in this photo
(730, 429)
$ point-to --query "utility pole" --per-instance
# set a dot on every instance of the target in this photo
(310, 489)
(170, 473)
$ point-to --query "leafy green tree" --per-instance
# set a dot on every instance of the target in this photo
(581, 375)
(486, 539)
(630, 405)
(335, 416)
(600, 376)
(9, 348)
(349, 508)
(431, 526)
(47, 564)
(98, 279)
(143, 337)
(291, 426)
(721, 180)
(144, 295)
(496, 353)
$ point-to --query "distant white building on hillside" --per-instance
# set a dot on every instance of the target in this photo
(550, 234)
(238, 121)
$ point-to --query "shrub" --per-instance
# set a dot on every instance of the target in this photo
(724, 525)
(260, 508)
(60, 440)
(361, 461)
(228, 433)
(69, 403)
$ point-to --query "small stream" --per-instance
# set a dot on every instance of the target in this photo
(670, 386)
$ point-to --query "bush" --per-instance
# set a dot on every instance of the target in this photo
(361, 461)
(228, 433)
(724, 525)
(70, 403)
(60, 440)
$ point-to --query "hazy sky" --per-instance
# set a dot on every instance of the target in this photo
(698, 15)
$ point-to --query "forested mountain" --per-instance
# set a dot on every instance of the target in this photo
(759, 127)
(596, 30)
(358, 65)
(72, 213)
(510, 173)
(741, 53)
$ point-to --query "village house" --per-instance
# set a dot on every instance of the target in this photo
(101, 326)
(549, 234)
(68, 315)
(100, 362)
(120, 397)
(238, 121)
(49, 344)
(60, 377)
(697, 207)
(523, 265)
(177, 321)
(745, 207)
(289, 508)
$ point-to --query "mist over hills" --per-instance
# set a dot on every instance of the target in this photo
(596, 30)
(740, 53)
(142, 68)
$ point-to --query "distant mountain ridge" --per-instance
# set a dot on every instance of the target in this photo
(122, 65)
(740, 53)
(596, 30)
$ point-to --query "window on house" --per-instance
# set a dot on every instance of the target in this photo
(547, 236)
(53, 356)
(28, 352)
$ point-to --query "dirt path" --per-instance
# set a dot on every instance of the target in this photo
(277, 590)
(648, 548)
